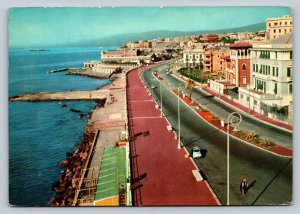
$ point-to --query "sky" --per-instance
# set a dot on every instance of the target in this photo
(42, 27)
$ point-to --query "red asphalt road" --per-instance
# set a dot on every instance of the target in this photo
(161, 174)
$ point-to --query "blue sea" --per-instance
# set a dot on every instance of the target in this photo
(41, 133)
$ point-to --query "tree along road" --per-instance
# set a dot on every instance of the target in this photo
(269, 176)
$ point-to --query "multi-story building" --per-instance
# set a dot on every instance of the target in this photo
(278, 26)
(193, 58)
(238, 64)
(271, 87)
(213, 60)
(124, 57)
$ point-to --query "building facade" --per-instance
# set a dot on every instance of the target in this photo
(271, 87)
(278, 26)
(238, 64)
(193, 58)
(213, 60)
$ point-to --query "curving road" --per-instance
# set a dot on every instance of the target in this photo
(269, 176)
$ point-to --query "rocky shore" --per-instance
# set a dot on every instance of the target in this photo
(65, 187)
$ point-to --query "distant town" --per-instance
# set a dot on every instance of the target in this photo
(253, 68)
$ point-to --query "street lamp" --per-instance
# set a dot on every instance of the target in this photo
(249, 99)
(219, 86)
(180, 86)
(235, 119)
(161, 102)
(152, 87)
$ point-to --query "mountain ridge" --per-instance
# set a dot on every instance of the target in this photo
(122, 39)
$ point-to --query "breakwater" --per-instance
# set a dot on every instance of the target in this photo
(57, 70)
(56, 96)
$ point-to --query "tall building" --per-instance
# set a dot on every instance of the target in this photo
(213, 60)
(238, 64)
(193, 58)
(278, 26)
(271, 87)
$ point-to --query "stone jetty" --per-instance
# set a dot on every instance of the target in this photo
(56, 96)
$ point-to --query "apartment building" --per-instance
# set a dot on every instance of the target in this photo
(193, 57)
(213, 60)
(278, 26)
(271, 87)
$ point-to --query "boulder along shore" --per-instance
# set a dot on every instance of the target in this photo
(65, 186)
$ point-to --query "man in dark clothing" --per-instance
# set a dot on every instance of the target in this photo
(243, 186)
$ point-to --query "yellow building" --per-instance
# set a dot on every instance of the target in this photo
(278, 26)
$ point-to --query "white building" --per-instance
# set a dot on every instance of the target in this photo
(193, 58)
(278, 26)
(271, 87)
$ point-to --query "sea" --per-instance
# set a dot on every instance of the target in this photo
(41, 133)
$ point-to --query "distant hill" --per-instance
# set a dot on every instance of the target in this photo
(119, 40)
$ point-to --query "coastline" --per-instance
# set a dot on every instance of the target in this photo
(67, 187)
(64, 188)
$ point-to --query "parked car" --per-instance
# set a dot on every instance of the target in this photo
(196, 152)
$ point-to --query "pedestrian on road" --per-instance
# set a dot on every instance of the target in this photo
(243, 186)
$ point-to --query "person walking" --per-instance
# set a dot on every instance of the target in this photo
(243, 186)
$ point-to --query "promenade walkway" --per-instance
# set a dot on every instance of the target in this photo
(161, 173)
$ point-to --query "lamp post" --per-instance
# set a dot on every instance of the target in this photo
(234, 118)
(161, 102)
(249, 99)
(180, 86)
(152, 87)
(219, 86)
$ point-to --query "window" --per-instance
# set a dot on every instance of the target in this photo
(279, 30)
(248, 98)
(253, 67)
(290, 88)
(275, 88)
(244, 67)
(277, 72)
(273, 71)
(269, 24)
(244, 80)
(274, 30)
(291, 55)
(288, 72)
(255, 102)
(242, 96)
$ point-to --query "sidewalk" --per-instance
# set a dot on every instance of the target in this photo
(255, 115)
(161, 174)
(206, 115)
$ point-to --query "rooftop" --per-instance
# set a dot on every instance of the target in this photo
(284, 39)
(240, 45)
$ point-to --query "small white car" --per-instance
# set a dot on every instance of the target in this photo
(196, 152)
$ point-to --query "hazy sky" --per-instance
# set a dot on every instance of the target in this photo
(38, 27)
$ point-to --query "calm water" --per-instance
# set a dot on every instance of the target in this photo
(40, 133)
